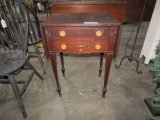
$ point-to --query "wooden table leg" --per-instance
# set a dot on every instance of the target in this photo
(101, 61)
(54, 68)
(117, 45)
(62, 63)
(107, 69)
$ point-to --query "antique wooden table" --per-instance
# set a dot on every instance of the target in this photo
(80, 33)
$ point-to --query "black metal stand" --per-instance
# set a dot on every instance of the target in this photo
(131, 57)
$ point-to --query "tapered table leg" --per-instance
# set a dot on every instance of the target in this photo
(101, 61)
(62, 63)
(54, 68)
(107, 69)
(117, 44)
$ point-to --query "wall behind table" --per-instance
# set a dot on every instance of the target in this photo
(133, 7)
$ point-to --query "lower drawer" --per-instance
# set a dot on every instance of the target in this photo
(80, 47)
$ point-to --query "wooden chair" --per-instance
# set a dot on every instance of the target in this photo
(13, 48)
(34, 34)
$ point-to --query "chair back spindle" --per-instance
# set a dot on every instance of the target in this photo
(14, 25)
(34, 34)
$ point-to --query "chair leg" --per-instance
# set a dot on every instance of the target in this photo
(48, 12)
(26, 84)
(17, 94)
(35, 71)
(40, 58)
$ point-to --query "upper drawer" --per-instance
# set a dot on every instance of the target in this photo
(80, 32)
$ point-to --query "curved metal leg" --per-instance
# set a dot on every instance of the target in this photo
(139, 72)
(118, 66)
(130, 58)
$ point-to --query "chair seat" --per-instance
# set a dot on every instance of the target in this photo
(11, 61)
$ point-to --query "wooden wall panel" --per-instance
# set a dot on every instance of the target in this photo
(134, 9)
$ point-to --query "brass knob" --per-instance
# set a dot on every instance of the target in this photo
(63, 46)
(62, 33)
(99, 33)
(98, 46)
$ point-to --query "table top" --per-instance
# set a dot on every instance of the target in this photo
(81, 19)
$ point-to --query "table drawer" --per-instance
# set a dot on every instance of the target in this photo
(79, 32)
(80, 47)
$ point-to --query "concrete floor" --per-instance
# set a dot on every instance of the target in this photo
(81, 89)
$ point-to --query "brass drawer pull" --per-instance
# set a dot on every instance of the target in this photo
(63, 46)
(62, 33)
(98, 46)
(99, 33)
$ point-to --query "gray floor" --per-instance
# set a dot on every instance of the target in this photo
(81, 89)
